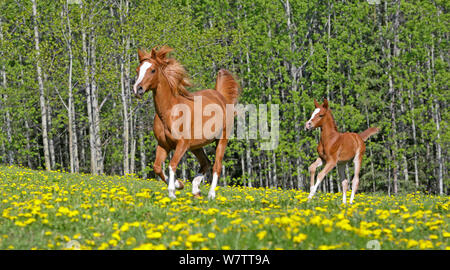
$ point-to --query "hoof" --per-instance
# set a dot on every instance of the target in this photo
(179, 184)
(197, 195)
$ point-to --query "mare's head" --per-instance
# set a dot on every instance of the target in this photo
(154, 67)
(318, 116)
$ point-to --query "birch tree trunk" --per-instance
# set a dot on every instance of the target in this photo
(243, 169)
(9, 151)
(86, 56)
(437, 119)
(123, 11)
(27, 126)
(73, 142)
(392, 94)
(413, 127)
(28, 147)
(95, 108)
(51, 142)
(133, 116)
(249, 164)
(274, 167)
(125, 134)
(42, 101)
(330, 175)
(142, 149)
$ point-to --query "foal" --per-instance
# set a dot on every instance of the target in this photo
(336, 148)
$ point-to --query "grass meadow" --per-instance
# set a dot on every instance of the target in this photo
(56, 210)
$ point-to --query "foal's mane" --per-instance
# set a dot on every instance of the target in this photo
(174, 73)
(333, 122)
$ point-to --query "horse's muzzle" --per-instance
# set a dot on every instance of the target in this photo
(139, 92)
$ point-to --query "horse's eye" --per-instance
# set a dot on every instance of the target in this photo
(321, 115)
(153, 71)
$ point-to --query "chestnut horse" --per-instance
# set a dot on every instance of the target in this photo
(336, 148)
(167, 79)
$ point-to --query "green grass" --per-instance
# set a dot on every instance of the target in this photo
(54, 210)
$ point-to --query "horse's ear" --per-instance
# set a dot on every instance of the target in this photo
(142, 54)
(325, 103)
(162, 53)
(153, 53)
(316, 103)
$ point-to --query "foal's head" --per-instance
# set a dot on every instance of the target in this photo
(318, 116)
(154, 64)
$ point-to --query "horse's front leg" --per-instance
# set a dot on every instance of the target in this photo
(178, 154)
(217, 168)
(312, 171)
(161, 155)
(328, 167)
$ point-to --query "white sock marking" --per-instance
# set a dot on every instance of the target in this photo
(196, 183)
(171, 187)
(212, 190)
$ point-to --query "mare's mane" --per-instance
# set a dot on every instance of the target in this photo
(174, 73)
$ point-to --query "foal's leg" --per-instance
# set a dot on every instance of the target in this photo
(205, 164)
(357, 160)
(217, 168)
(328, 167)
(179, 152)
(312, 170)
(341, 171)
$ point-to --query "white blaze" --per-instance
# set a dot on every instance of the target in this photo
(316, 111)
(142, 70)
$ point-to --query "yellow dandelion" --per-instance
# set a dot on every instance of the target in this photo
(261, 235)
(300, 238)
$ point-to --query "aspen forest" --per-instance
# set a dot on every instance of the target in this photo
(68, 67)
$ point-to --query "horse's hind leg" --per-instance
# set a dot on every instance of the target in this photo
(217, 168)
(341, 171)
(205, 164)
(357, 160)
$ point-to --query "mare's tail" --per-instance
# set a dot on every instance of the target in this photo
(368, 132)
(228, 86)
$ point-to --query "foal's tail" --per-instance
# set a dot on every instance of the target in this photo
(228, 86)
(368, 132)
